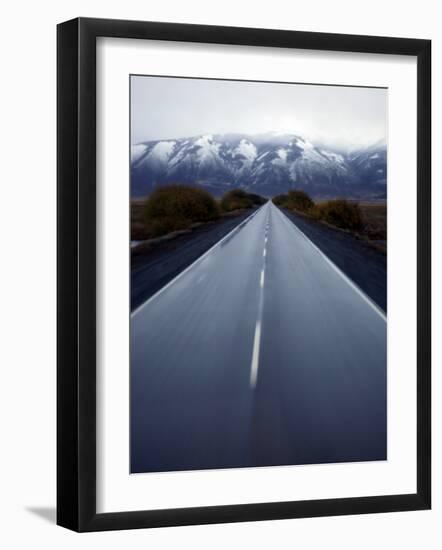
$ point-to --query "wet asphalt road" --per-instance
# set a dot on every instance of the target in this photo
(165, 260)
(362, 263)
(261, 353)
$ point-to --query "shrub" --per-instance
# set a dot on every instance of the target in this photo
(176, 207)
(299, 200)
(315, 212)
(236, 199)
(256, 199)
(162, 226)
(280, 200)
(341, 213)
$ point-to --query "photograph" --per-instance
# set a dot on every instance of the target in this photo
(258, 273)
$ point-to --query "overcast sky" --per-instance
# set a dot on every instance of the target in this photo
(343, 117)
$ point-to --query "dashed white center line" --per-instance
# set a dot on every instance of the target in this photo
(262, 279)
(255, 357)
(257, 338)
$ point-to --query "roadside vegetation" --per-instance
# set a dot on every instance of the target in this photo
(365, 219)
(340, 213)
(374, 220)
(295, 200)
(238, 199)
(178, 207)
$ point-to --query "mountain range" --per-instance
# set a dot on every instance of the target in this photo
(267, 164)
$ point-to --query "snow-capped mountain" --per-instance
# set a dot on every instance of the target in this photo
(267, 164)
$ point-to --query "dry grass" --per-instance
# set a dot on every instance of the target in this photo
(374, 219)
(138, 229)
(374, 223)
(338, 213)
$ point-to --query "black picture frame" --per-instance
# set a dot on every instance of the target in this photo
(76, 274)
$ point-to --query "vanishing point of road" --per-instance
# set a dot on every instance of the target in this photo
(260, 353)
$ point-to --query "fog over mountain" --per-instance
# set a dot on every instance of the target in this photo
(343, 117)
(268, 164)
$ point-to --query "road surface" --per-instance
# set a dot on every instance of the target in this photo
(359, 260)
(261, 353)
(152, 270)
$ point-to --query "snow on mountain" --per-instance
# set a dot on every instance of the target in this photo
(267, 164)
(247, 150)
(137, 151)
(208, 149)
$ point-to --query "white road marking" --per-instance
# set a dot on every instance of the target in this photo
(255, 356)
(353, 285)
(257, 337)
(188, 268)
